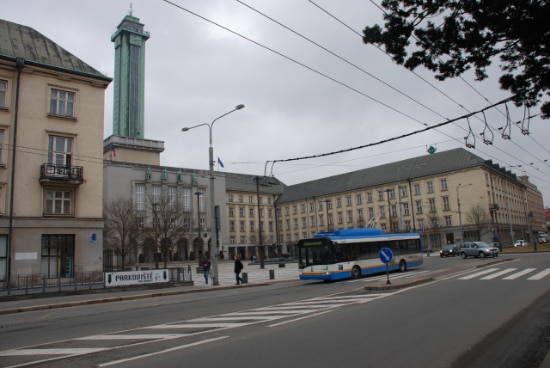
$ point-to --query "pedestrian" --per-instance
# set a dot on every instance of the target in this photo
(238, 269)
(206, 268)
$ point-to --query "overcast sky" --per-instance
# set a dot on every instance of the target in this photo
(309, 84)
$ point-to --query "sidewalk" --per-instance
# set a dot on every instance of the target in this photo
(256, 276)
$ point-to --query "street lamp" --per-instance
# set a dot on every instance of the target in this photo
(214, 235)
(460, 213)
(399, 191)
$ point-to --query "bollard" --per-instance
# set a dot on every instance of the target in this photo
(245, 278)
(271, 274)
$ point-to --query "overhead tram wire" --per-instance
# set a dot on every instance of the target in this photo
(297, 62)
(311, 69)
(430, 84)
(342, 59)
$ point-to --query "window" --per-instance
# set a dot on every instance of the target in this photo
(431, 201)
(391, 193)
(251, 226)
(303, 208)
(156, 195)
(348, 201)
(240, 198)
(417, 189)
(446, 204)
(59, 149)
(444, 184)
(250, 199)
(230, 198)
(430, 187)
(406, 211)
(350, 216)
(251, 212)
(140, 197)
(448, 221)
(329, 204)
(58, 202)
(62, 103)
(186, 199)
(418, 207)
(359, 199)
(340, 218)
(231, 212)
(312, 221)
(304, 223)
(382, 210)
(3, 93)
(369, 197)
(2, 146)
(241, 226)
(232, 226)
(57, 256)
(312, 207)
(172, 198)
(241, 211)
(339, 202)
(381, 195)
(403, 191)
(360, 214)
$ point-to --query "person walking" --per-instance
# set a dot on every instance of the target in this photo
(238, 268)
(206, 268)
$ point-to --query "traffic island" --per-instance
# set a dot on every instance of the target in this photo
(398, 284)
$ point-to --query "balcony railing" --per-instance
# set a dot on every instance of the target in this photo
(61, 173)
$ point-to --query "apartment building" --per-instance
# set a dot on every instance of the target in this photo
(51, 166)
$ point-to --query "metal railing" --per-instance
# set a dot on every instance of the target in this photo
(40, 284)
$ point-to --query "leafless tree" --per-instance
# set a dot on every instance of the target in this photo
(121, 228)
(479, 217)
(167, 225)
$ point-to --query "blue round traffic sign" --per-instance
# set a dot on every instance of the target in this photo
(386, 255)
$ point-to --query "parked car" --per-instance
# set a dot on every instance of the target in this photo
(478, 249)
(449, 250)
(520, 243)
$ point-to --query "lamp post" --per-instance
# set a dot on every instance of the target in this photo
(214, 237)
(399, 191)
(460, 213)
(327, 201)
(198, 194)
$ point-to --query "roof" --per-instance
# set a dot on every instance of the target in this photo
(247, 183)
(18, 41)
(427, 165)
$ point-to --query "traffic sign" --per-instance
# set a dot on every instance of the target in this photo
(386, 255)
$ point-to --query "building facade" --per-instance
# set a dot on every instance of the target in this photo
(448, 197)
(51, 170)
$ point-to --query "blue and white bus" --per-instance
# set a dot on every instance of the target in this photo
(352, 253)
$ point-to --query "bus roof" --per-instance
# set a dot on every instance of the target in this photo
(362, 233)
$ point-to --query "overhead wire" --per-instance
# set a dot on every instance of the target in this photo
(431, 85)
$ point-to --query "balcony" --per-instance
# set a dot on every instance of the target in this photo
(58, 174)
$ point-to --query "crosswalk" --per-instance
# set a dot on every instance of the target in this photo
(188, 330)
(531, 274)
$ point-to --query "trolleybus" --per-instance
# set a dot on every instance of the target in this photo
(352, 253)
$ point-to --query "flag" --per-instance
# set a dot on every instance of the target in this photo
(113, 150)
(220, 162)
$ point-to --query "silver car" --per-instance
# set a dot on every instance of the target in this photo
(477, 249)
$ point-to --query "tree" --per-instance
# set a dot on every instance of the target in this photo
(454, 36)
(479, 217)
(167, 222)
(121, 227)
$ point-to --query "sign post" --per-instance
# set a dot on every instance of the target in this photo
(386, 255)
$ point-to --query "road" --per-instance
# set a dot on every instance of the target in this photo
(496, 315)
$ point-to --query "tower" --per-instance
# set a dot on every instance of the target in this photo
(129, 80)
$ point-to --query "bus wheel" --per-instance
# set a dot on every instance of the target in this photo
(402, 266)
(355, 272)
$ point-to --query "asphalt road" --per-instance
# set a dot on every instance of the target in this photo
(462, 318)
